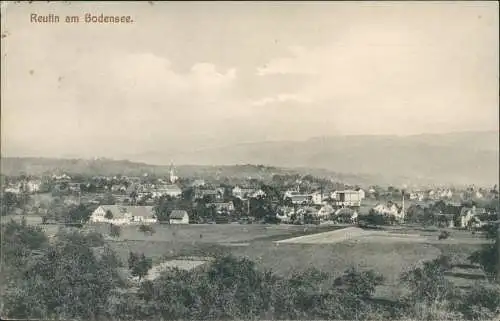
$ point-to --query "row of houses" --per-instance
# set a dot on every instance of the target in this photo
(127, 215)
(346, 198)
(288, 214)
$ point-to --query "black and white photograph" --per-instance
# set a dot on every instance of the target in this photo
(249, 160)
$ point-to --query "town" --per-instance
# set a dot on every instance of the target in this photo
(288, 199)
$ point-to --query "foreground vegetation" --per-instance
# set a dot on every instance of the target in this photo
(76, 276)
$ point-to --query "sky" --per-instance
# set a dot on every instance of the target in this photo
(190, 75)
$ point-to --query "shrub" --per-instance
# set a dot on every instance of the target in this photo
(146, 229)
(443, 235)
(428, 283)
(19, 240)
(487, 256)
(482, 302)
(139, 265)
(65, 281)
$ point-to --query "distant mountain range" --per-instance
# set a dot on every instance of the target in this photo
(455, 158)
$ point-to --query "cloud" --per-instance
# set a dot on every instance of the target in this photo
(413, 76)
(107, 97)
(281, 98)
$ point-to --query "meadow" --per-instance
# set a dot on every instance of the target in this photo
(386, 255)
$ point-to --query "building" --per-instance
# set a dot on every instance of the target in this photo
(166, 190)
(221, 206)
(446, 220)
(347, 198)
(243, 192)
(74, 187)
(179, 217)
(470, 216)
(285, 213)
(33, 186)
(297, 198)
(14, 189)
(118, 188)
(258, 193)
(212, 193)
(123, 215)
(62, 177)
(198, 183)
(173, 178)
(319, 199)
(325, 211)
(346, 215)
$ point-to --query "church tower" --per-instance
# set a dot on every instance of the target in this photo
(173, 178)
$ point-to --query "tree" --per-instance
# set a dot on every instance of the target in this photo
(18, 241)
(188, 194)
(66, 280)
(428, 283)
(108, 215)
(374, 218)
(8, 201)
(139, 265)
(443, 235)
(79, 214)
(133, 197)
(146, 229)
(108, 200)
(488, 256)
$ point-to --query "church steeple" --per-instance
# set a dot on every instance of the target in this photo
(173, 177)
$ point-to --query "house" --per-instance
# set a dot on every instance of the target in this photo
(258, 193)
(33, 186)
(307, 210)
(361, 193)
(446, 220)
(212, 193)
(318, 198)
(470, 216)
(221, 206)
(117, 188)
(74, 187)
(122, 215)
(15, 189)
(243, 192)
(325, 211)
(446, 194)
(346, 215)
(390, 209)
(198, 183)
(179, 217)
(300, 199)
(62, 177)
(166, 190)
(347, 198)
(285, 213)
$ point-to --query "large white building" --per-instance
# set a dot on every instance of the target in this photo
(179, 217)
(348, 197)
(243, 192)
(122, 215)
(166, 190)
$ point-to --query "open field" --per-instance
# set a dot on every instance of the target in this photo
(213, 233)
(389, 235)
(389, 251)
